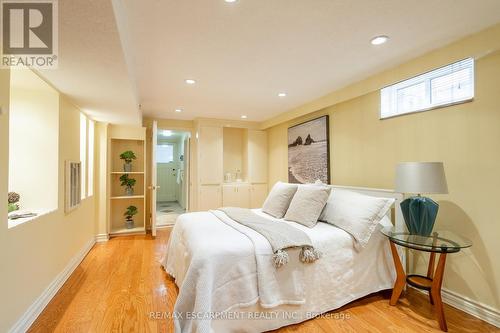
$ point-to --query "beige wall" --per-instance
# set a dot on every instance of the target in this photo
(34, 114)
(365, 150)
(101, 179)
(34, 253)
(233, 150)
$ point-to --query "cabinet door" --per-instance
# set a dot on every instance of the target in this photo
(258, 194)
(229, 196)
(257, 156)
(237, 195)
(211, 155)
(243, 193)
(210, 197)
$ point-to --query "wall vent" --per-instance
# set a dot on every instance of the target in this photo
(73, 185)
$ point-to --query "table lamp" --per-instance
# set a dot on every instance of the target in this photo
(420, 178)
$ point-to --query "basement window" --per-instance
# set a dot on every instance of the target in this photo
(165, 153)
(447, 85)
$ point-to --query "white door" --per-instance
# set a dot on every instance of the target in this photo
(187, 168)
(243, 192)
(229, 196)
(153, 177)
(210, 152)
(166, 181)
(210, 197)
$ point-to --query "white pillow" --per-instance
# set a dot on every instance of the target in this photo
(356, 213)
(307, 204)
(279, 198)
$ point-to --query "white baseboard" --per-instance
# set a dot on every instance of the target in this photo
(27, 319)
(101, 238)
(467, 305)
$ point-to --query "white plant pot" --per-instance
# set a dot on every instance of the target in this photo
(129, 224)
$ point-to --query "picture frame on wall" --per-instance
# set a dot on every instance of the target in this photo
(309, 151)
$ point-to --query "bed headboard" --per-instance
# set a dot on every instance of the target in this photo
(395, 214)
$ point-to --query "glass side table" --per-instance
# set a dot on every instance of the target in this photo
(442, 242)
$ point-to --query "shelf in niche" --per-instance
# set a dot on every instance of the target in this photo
(121, 231)
(130, 173)
(127, 197)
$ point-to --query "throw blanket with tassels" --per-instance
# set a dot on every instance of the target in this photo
(280, 235)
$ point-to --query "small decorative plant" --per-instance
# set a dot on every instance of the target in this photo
(129, 184)
(129, 216)
(128, 156)
(13, 201)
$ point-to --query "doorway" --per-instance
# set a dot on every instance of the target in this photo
(172, 169)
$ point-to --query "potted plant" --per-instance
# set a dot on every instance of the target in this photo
(129, 216)
(129, 184)
(128, 156)
(13, 201)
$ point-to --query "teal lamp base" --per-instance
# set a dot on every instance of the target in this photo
(419, 214)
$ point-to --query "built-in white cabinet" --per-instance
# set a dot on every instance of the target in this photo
(244, 195)
(240, 153)
(236, 195)
(209, 197)
(258, 194)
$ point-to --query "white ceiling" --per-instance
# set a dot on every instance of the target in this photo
(92, 69)
(241, 54)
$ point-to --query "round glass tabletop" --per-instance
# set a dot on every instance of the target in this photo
(438, 241)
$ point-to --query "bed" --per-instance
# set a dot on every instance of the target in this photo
(225, 285)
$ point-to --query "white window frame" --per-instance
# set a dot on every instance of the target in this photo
(389, 95)
(173, 152)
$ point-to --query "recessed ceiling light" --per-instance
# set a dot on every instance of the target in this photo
(379, 40)
(230, 1)
(244, 117)
(190, 81)
(166, 133)
(178, 110)
(281, 94)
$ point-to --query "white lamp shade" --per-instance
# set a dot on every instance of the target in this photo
(421, 177)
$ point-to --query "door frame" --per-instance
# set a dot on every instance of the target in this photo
(187, 166)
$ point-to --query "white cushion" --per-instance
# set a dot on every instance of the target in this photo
(307, 204)
(356, 213)
(279, 198)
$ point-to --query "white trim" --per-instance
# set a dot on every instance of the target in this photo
(467, 305)
(27, 319)
(39, 213)
(101, 238)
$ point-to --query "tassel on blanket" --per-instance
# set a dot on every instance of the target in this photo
(309, 254)
(280, 258)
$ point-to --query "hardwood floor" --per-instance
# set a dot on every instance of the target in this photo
(120, 283)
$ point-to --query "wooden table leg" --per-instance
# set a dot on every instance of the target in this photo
(430, 272)
(436, 291)
(400, 278)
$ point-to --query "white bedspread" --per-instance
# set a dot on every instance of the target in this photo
(224, 266)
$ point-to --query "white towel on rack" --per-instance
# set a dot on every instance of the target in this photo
(179, 176)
